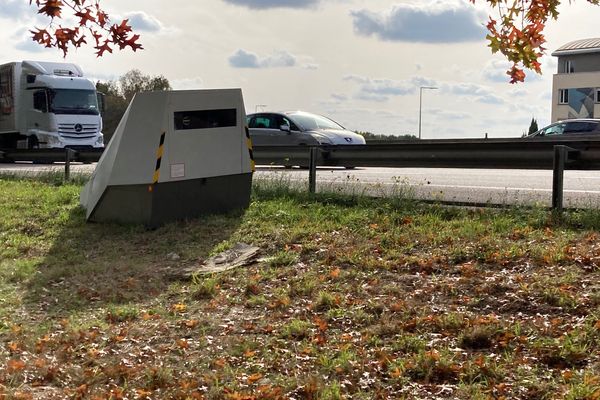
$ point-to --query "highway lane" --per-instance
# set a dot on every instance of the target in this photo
(582, 188)
(526, 187)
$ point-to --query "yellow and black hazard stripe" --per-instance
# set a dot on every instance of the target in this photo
(159, 154)
(250, 151)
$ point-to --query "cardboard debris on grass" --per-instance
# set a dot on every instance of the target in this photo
(239, 255)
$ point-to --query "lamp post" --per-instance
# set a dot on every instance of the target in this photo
(421, 104)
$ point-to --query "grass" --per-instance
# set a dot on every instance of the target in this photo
(353, 297)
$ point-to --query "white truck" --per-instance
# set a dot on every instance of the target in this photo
(48, 105)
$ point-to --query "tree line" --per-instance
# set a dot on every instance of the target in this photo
(118, 94)
(370, 137)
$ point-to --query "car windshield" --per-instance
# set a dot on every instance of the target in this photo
(73, 101)
(311, 121)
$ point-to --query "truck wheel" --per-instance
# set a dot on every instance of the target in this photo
(33, 142)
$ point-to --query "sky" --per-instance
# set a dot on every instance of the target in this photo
(358, 62)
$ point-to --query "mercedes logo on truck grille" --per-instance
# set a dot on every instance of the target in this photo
(78, 128)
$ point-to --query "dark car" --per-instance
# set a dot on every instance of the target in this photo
(571, 127)
(298, 128)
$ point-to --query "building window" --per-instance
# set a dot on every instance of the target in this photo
(597, 95)
(569, 68)
(563, 96)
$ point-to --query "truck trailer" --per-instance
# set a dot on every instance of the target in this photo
(48, 105)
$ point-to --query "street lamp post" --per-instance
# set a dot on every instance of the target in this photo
(421, 104)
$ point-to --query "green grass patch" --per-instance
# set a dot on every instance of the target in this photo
(353, 297)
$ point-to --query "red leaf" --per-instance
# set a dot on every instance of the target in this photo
(84, 17)
(103, 48)
(42, 37)
(51, 8)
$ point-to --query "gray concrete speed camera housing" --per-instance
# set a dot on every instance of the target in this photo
(175, 155)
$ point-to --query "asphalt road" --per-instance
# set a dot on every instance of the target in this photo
(582, 188)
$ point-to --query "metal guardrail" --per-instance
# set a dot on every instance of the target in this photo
(556, 154)
(465, 153)
(50, 155)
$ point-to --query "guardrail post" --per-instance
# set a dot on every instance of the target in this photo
(312, 170)
(69, 154)
(560, 157)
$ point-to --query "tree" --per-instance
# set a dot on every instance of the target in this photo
(519, 32)
(369, 137)
(533, 127)
(90, 20)
(134, 82)
(119, 93)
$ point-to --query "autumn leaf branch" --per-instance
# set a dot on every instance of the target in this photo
(519, 32)
(92, 20)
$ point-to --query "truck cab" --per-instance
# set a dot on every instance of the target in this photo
(54, 107)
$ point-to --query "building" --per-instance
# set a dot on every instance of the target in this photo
(576, 85)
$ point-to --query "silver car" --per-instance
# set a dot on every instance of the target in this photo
(572, 127)
(298, 128)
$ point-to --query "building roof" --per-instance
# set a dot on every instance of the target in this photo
(581, 46)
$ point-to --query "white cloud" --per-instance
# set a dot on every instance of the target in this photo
(448, 115)
(15, 9)
(141, 21)
(23, 41)
(339, 97)
(264, 4)
(381, 90)
(432, 22)
(474, 91)
(311, 66)
(246, 59)
(187, 83)
(29, 46)
(496, 71)
(518, 91)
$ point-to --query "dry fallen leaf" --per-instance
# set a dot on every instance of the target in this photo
(254, 378)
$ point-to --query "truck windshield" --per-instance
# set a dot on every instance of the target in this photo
(73, 101)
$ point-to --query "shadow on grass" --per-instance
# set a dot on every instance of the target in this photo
(91, 265)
